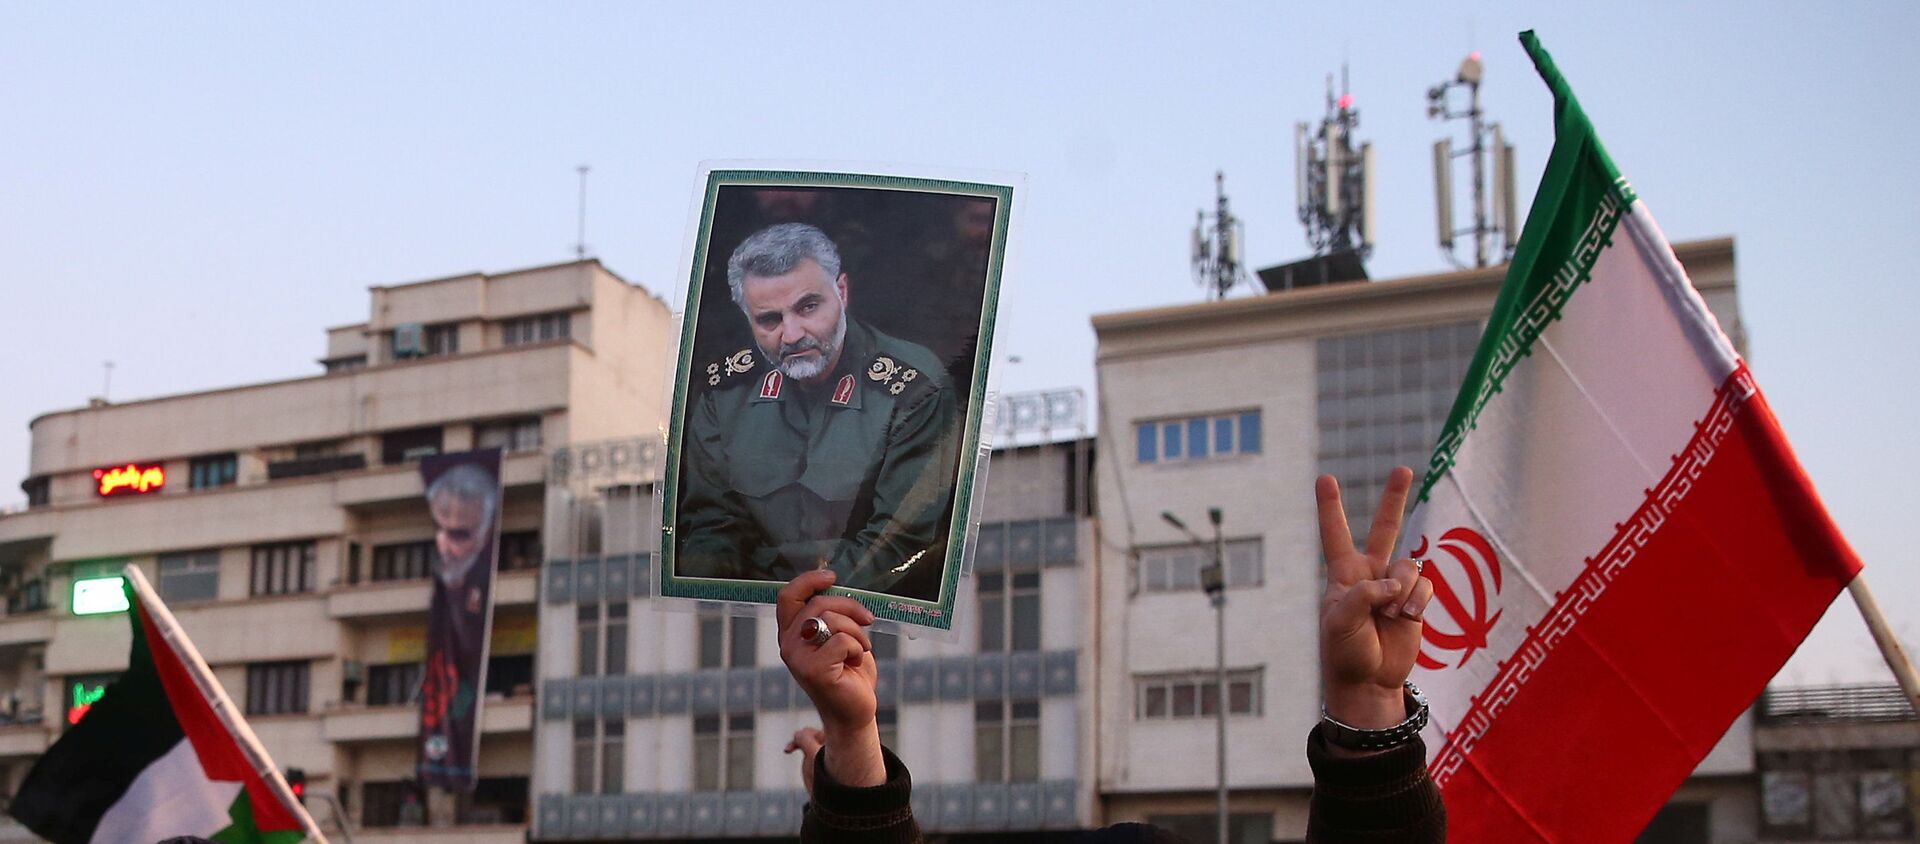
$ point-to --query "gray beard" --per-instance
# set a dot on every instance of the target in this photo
(807, 369)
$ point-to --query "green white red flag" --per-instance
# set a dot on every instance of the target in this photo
(1623, 547)
(163, 753)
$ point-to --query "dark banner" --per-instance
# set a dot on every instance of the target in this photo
(463, 497)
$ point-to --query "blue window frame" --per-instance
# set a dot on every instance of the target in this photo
(1198, 437)
(1250, 432)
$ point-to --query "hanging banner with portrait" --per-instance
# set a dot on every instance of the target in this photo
(831, 385)
(464, 501)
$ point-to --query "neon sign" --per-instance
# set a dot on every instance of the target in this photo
(131, 479)
(82, 697)
(100, 595)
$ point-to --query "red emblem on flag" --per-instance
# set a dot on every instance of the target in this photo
(770, 386)
(843, 392)
(1475, 566)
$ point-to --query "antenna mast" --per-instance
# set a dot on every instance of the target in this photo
(1333, 181)
(1216, 246)
(1486, 146)
(580, 244)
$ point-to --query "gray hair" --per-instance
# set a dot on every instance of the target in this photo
(467, 482)
(777, 250)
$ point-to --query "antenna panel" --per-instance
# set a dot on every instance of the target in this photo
(1443, 189)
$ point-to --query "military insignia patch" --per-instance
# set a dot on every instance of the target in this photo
(882, 369)
(740, 361)
(843, 392)
(770, 386)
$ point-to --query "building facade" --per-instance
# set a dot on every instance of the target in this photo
(1239, 404)
(283, 523)
(666, 720)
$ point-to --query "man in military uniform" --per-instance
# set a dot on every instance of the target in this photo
(830, 444)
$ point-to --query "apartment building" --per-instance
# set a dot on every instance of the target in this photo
(1238, 404)
(666, 720)
(283, 523)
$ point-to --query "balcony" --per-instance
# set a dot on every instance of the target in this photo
(349, 724)
(505, 834)
(410, 597)
(20, 740)
(26, 628)
(308, 466)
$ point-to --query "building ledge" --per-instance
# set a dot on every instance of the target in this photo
(353, 723)
(411, 597)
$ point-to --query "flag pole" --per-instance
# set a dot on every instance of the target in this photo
(1890, 649)
(223, 708)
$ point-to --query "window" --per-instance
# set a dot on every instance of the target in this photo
(1159, 697)
(1197, 437)
(276, 688)
(1009, 611)
(1857, 794)
(396, 803)
(398, 447)
(885, 645)
(510, 675)
(519, 549)
(212, 471)
(190, 576)
(727, 641)
(888, 717)
(282, 569)
(394, 684)
(723, 752)
(509, 435)
(1006, 741)
(39, 491)
(495, 800)
(1382, 400)
(613, 756)
(442, 339)
(403, 560)
(1176, 568)
(536, 329)
(597, 638)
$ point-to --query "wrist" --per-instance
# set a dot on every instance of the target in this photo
(853, 756)
(1368, 706)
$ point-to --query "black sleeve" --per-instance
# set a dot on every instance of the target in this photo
(880, 814)
(1381, 797)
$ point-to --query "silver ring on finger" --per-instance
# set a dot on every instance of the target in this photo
(814, 631)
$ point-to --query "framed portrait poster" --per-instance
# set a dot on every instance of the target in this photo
(830, 386)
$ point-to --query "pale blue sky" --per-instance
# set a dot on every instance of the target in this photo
(194, 193)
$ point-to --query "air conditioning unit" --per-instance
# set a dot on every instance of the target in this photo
(409, 340)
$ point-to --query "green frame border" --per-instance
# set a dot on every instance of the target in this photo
(937, 614)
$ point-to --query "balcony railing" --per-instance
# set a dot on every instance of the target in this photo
(305, 466)
(1810, 704)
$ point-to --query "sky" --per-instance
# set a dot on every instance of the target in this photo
(194, 192)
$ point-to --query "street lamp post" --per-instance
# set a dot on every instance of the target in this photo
(1213, 581)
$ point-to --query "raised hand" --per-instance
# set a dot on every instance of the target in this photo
(838, 675)
(1370, 616)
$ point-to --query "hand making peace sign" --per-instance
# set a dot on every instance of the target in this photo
(1370, 617)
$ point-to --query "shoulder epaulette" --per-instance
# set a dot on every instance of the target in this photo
(889, 373)
(728, 369)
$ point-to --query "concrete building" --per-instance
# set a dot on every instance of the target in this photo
(1239, 404)
(663, 720)
(1837, 763)
(284, 525)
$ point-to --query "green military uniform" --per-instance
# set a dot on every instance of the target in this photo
(857, 471)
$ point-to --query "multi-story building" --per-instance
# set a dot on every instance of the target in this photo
(1239, 404)
(666, 720)
(1837, 763)
(283, 523)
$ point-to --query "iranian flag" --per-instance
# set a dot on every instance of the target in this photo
(163, 753)
(1623, 548)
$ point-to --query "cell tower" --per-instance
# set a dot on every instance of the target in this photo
(1333, 181)
(1488, 150)
(1217, 253)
